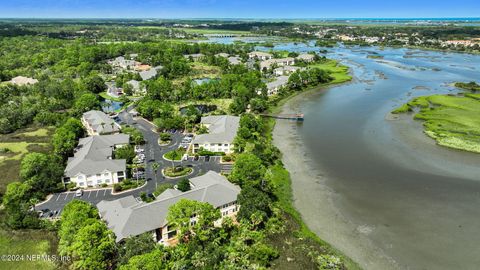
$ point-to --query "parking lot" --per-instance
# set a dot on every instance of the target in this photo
(147, 155)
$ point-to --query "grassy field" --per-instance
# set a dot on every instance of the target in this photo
(453, 121)
(339, 72)
(202, 70)
(27, 243)
(15, 145)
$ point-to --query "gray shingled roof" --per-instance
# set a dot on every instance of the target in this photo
(126, 217)
(221, 129)
(96, 118)
(279, 82)
(94, 155)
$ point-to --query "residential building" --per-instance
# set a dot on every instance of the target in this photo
(142, 67)
(136, 87)
(113, 90)
(288, 61)
(121, 62)
(276, 85)
(150, 73)
(306, 57)
(92, 163)
(224, 55)
(98, 123)
(20, 81)
(222, 130)
(286, 70)
(260, 56)
(234, 60)
(127, 217)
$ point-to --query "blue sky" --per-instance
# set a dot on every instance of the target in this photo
(238, 8)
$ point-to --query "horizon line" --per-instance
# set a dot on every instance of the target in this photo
(244, 18)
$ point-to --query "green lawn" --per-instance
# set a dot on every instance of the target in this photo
(453, 121)
(339, 72)
(27, 243)
(176, 154)
(106, 96)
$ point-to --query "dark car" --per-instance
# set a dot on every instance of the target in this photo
(207, 158)
(195, 158)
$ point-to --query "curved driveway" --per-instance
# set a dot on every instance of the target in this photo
(153, 153)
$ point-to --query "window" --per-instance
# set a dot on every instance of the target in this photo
(120, 173)
(99, 175)
(99, 182)
(106, 174)
(226, 145)
(107, 181)
(81, 184)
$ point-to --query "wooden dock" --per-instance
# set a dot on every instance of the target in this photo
(294, 117)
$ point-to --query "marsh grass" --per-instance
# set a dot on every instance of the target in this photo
(453, 121)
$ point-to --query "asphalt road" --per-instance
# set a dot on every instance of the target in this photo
(153, 153)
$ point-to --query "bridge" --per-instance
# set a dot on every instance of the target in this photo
(295, 117)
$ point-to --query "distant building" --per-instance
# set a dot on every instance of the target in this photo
(121, 62)
(286, 70)
(150, 73)
(127, 217)
(20, 81)
(222, 130)
(92, 163)
(113, 90)
(276, 85)
(142, 67)
(137, 88)
(224, 55)
(260, 56)
(306, 57)
(98, 123)
(234, 60)
(288, 61)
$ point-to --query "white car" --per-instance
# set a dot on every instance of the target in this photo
(79, 193)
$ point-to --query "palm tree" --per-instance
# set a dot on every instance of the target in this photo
(155, 167)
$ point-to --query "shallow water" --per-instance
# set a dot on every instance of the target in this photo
(417, 203)
(379, 190)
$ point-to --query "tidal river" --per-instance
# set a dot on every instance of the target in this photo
(380, 190)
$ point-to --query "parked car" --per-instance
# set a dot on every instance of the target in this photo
(207, 158)
(79, 193)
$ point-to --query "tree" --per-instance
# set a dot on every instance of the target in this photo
(94, 84)
(86, 102)
(43, 172)
(151, 261)
(75, 215)
(184, 185)
(94, 247)
(248, 170)
(17, 206)
(155, 167)
(253, 201)
(135, 245)
(125, 152)
(193, 217)
(65, 138)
